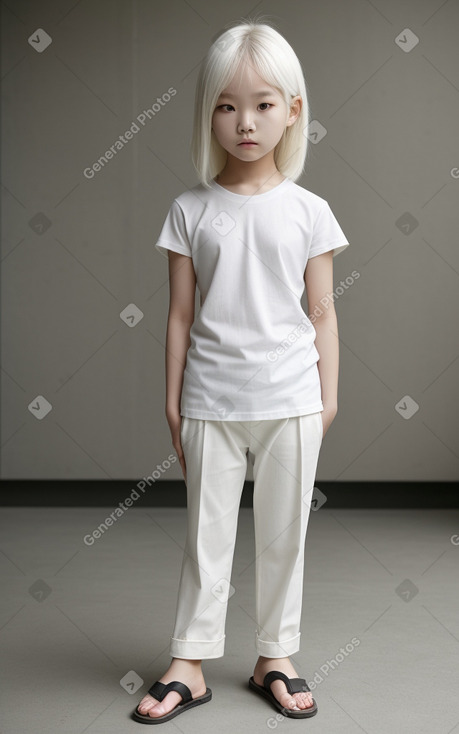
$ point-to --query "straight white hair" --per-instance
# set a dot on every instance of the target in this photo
(275, 61)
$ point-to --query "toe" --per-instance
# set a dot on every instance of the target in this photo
(296, 702)
(304, 700)
(146, 704)
(285, 699)
(167, 704)
(279, 691)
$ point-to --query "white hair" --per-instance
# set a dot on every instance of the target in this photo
(275, 61)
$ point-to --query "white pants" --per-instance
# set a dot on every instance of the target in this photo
(286, 452)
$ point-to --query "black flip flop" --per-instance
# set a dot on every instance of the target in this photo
(294, 685)
(159, 690)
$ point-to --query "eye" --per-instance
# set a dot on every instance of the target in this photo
(220, 107)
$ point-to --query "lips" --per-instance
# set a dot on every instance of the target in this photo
(247, 142)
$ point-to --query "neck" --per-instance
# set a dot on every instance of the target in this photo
(256, 173)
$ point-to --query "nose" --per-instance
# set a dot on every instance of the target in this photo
(246, 123)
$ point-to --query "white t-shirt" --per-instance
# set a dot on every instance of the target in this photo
(252, 354)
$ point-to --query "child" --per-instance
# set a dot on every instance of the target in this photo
(251, 239)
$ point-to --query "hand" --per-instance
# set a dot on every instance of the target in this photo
(328, 416)
(174, 420)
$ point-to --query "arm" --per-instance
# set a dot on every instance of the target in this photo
(182, 288)
(318, 279)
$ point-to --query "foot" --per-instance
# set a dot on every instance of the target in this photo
(295, 701)
(188, 672)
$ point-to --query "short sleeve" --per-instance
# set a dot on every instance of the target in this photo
(327, 234)
(173, 235)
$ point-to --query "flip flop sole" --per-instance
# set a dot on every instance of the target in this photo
(179, 709)
(303, 714)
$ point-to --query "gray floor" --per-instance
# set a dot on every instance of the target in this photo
(380, 628)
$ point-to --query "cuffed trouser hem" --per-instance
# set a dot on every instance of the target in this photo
(277, 649)
(197, 649)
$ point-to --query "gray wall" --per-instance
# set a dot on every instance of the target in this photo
(76, 252)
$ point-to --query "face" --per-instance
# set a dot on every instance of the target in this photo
(251, 108)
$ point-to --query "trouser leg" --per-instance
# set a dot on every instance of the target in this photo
(216, 463)
(286, 455)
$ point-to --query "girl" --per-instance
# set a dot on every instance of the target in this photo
(251, 373)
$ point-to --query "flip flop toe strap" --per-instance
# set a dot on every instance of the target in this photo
(160, 690)
(294, 685)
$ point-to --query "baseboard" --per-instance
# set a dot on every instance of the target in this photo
(108, 493)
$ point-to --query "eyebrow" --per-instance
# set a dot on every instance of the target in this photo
(264, 93)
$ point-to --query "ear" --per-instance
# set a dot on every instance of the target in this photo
(295, 109)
